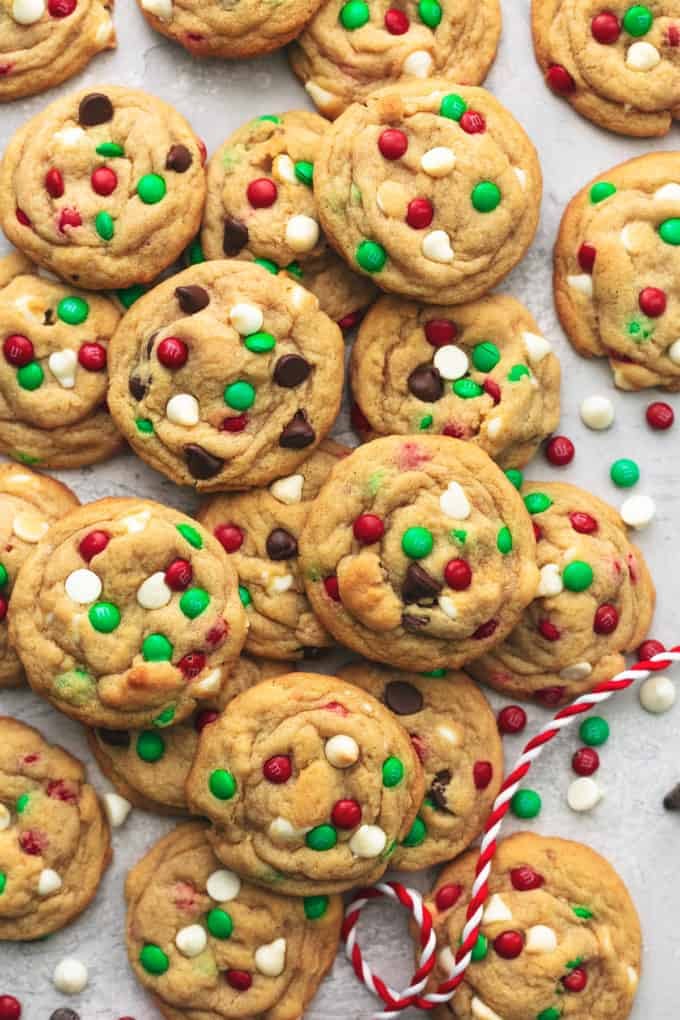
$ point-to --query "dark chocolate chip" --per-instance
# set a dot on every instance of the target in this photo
(235, 236)
(418, 585)
(65, 1014)
(672, 800)
(150, 342)
(137, 387)
(200, 463)
(95, 108)
(403, 698)
(179, 159)
(410, 622)
(298, 433)
(115, 738)
(291, 370)
(192, 299)
(313, 652)
(439, 787)
(426, 384)
(48, 319)
(281, 545)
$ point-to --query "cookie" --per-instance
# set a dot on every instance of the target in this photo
(418, 553)
(310, 784)
(127, 615)
(44, 42)
(560, 935)
(616, 271)
(209, 946)
(211, 28)
(54, 839)
(350, 49)
(261, 207)
(53, 372)
(432, 190)
(618, 64)
(594, 601)
(149, 768)
(104, 188)
(479, 371)
(454, 734)
(29, 503)
(225, 377)
(260, 530)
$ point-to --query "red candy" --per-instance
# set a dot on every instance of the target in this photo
(420, 213)
(559, 79)
(230, 536)
(512, 719)
(217, 633)
(236, 423)
(18, 350)
(358, 418)
(585, 761)
(673, 35)
(203, 150)
(576, 981)
(586, 257)
(172, 352)
(606, 619)
(33, 842)
(93, 544)
(440, 332)
(509, 944)
(277, 769)
(332, 587)
(660, 415)
(649, 648)
(191, 664)
(262, 193)
(393, 143)
(458, 575)
(492, 388)
(204, 718)
(485, 630)
(419, 746)
(22, 217)
(549, 696)
(525, 878)
(396, 22)
(54, 183)
(482, 773)
(652, 302)
(92, 357)
(538, 531)
(59, 789)
(549, 631)
(582, 522)
(346, 814)
(448, 896)
(239, 979)
(10, 1008)
(473, 123)
(335, 706)
(69, 218)
(178, 575)
(560, 451)
(455, 430)
(605, 28)
(351, 320)
(61, 8)
(368, 528)
(104, 180)
(3, 607)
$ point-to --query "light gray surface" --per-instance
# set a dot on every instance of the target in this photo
(638, 765)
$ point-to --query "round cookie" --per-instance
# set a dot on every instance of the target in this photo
(127, 615)
(261, 207)
(104, 188)
(310, 784)
(260, 530)
(29, 503)
(419, 553)
(225, 377)
(617, 265)
(350, 49)
(560, 935)
(44, 42)
(594, 601)
(617, 63)
(54, 839)
(479, 371)
(455, 735)
(209, 946)
(431, 189)
(149, 768)
(53, 374)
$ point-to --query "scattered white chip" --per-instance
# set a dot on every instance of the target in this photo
(154, 593)
(521, 176)
(550, 581)
(540, 939)
(49, 882)
(270, 959)
(638, 511)
(136, 523)
(69, 136)
(279, 585)
(447, 606)
(341, 751)
(302, 233)
(282, 829)
(117, 809)
(450, 735)
(30, 526)
(223, 886)
(657, 694)
(283, 169)
(583, 794)
(668, 192)
(451, 362)
(246, 318)
(70, 976)
(446, 960)
(436, 247)
(537, 347)
(454, 503)
(494, 426)
(481, 1011)
(438, 162)
(62, 365)
(210, 684)
(673, 352)
(288, 490)
(5, 818)
(419, 64)
(597, 412)
(577, 671)
(83, 586)
(583, 283)
(496, 910)
(368, 841)
(183, 409)
(321, 97)
(27, 12)
(191, 941)
(159, 8)
(642, 56)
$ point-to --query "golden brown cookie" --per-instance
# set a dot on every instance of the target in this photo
(104, 188)
(479, 371)
(454, 734)
(618, 64)
(54, 839)
(225, 377)
(350, 48)
(310, 784)
(560, 935)
(209, 946)
(594, 601)
(127, 615)
(432, 190)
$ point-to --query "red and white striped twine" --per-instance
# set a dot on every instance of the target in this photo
(412, 900)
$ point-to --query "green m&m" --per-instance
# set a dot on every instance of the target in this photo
(151, 189)
(467, 388)
(551, 1013)
(392, 772)
(638, 20)
(145, 426)
(430, 12)
(452, 106)
(371, 256)
(104, 225)
(111, 149)
(624, 473)
(485, 356)
(526, 804)
(128, 295)
(165, 718)
(191, 535)
(577, 575)
(239, 395)
(416, 834)
(22, 803)
(30, 376)
(219, 923)
(518, 372)
(222, 784)
(244, 595)
(323, 837)
(3, 882)
(315, 907)
(73, 310)
(601, 190)
(354, 14)
(583, 912)
(153, 959)
(669, 231)
(193, 602)
(485, 197)
(417, 543)
(515, 477)
(260, 343)
(156, 648)
(537, 502)
(267, 264)
(504, 540)
(594, 731)
(304, 171)
(4, 576)
(104, 617)
(480, 948)
(150, 746)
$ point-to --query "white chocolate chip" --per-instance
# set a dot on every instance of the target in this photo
(391, 199)
(223, 886)
(245, 318)
(583, 283)
(283, 169)
(278, 585)
(626, 238)
(27, 12)
(30, 526)
(368, 841)
(5, 818)
(62, 365)
(105, 30)
(540, 939)
(673, 352)
(577, 671)
(301, 298)
(451, 362)
(537, 347)
(642, 56)
(302, 233)
(69, 136)
(438, 162)
(136, 523)
(285, 831)
(521, 176)
(270, 959)
(182, 409)
(341, 751)
(638, 511)
(632, 977)
(117, 809)
(211, 684)
(494, 426)
(436, 247)
(496, 910)
(192, 940)
(583, 794)
(446, 960)
(454, 503)
(550, 581)
(668, 192)
(447, 606)
(321, 97)
(481, 1011)
(154, 593)
(288, 490)
(597, 412)
(657, 694)
(70, 976)
(49, 882)
(419, 64)
(83, 586)
(159, 8)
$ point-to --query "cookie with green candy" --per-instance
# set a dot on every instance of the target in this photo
(127, 615)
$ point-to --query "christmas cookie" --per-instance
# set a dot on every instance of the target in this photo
(616, 271)
(261, 207)
(351, 48)
(53, 372)
(419, 553)
(149, 767)
(479, 371)
(431, 189)
(44, 42)
(127, 614)
(454, 734)
(104, 188)
(29, 503)
(560, 935)
(54, 839)
(260, 530)
(210, 946)
(310, 784)
(617, 63)
(225, 377)
(594, 601)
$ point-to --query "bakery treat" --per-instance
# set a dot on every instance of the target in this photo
(44, 42)
(127, 615)
(310, 784)
(29, 503)
(54, 839)
(104, 188)
(261, 207)
(419, 553)
(350, 49)
(208, 945)
(617, 262)
(616, 63)
(260, 530)
(455, 735)
(225, 377)
(481, 371)
(431, 189)
(53, 371)
(594, 601)
(560, 935)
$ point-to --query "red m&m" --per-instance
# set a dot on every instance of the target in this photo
(92, 357)
(54, 183)
(93, 543)
(525, 878)
(346, 814)
(512, 719)
(262, 193)
(231, 537)
(277, 769)
(18, 350)
(368, 528)
(396, 22)
(104, 180)
(172, 352)
(392, 143)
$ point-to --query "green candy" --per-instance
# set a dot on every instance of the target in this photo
(430, 12)
(3, 882)
(193, 602)
(73, 310)
(267, 264)
(244, 595)
(467, 388)
(594, 731)
(260, 343)
(417, 543)
(417, 833)
(239, 395)
(577, 575)
(583, 912)
(150, 746)
(22, 803)
(151, 189)
(426, 422)
(452, 106)
(515, 477)
(552, 1013)
(354, 14)
(638, 20)
(537, 502)
(315, 907)
(104, 617)
(601, 190)
(195, 253)
(669, 231)
(165, 717)
(153, 959)
(219, 923)
(156, 648)
(518, 372)
(435, 674)
(145, 426)
(222, 784)
(485, 356)
(271, 117)
(323, 837)
(30, 376)
(104, 225)
(504, 540)
(4, 576)
(480, 948)
(392, 772)
(75, 686)
(295, 269)
(191, 535)
(371, 256)
(526, 804)
(304, 172)
(485, 196)
(128, 295)
(110, 149)
(459, 535)
(624, 473)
